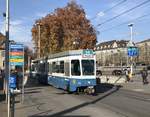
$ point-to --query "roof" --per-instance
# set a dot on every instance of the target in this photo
(69, 53)
(147, 40)
(2, 38)
(106, 43)
(110, 44)
(64, 54)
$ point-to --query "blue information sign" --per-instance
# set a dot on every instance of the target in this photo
(12, 82)
(16, 55)
(133, 51)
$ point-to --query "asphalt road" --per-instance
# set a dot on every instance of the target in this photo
(110, 101)
(125, 102)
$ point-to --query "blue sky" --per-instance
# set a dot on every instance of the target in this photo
(23, 14)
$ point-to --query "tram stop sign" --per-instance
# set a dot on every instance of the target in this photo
(132, 51)
(12, 82)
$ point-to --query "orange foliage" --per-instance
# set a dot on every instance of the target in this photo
(65, 29)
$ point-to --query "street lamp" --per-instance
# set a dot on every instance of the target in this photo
(130, 44)
(39, 39)
(131, 30)
(76, 42)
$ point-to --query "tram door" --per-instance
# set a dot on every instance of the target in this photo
(75, 68)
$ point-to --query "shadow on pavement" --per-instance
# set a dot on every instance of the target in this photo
(62, 116)
(32, 89)
(2, 97)
(99, 88)
(104, 87)
(30, 92)
(111, 89)
(33, 84)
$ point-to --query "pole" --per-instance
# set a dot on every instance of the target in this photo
(7, 55)
(131, 28)
(39, 40)
(5, 80)
(23, 79)
(12, 105)
(131, 39)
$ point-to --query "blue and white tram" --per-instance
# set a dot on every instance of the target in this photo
(39, 70)
(72, 70)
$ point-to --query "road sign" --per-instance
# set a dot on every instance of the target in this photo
(12, 82)
(132, 51)
(16, 56)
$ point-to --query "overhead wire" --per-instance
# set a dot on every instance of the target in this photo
(129, 10)
(119, 3)
(109, 9)
(125, 23)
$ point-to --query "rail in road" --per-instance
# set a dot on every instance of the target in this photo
(47, 101)
(125, 102)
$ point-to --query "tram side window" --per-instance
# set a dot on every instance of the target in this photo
(75, 68)
(54, 67)
(42, 67)
(50, 68)
(33, 67)
(61, 67)
(46, 67)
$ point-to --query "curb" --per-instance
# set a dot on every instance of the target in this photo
(145, 93)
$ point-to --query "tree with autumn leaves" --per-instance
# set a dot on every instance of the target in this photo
(65, 29)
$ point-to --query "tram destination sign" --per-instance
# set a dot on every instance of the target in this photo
(16, 55)
(87, 54)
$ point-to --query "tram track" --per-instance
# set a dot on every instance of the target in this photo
(123, 102)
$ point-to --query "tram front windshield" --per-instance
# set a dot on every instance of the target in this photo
(88, 67)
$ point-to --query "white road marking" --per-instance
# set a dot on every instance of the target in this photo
(138, 89)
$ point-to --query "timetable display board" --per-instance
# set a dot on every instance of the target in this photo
(16, 55)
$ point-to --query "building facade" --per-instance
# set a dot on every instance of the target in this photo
(2, 54)
(144, 52)
(112, 53)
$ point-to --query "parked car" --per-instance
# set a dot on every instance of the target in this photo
(116, 72)
(148, 67)
(98, 72)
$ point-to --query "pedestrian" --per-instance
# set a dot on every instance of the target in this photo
(1, 80)
(0, 73)
(144, 75)
(16, 73)
(17, 77)
(130, 76)
(127, 72)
